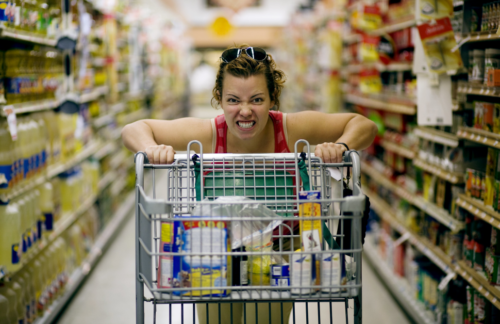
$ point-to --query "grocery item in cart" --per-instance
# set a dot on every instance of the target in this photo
(310, 230)
(204, 238)
(303, 273)
(166, 261)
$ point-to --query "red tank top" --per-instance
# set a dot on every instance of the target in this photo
(280, 144)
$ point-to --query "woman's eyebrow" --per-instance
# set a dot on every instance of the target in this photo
(230, 94)
(258, 94)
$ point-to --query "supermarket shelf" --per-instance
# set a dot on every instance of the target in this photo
(476, 279)
(396, 66)
(477, 208)
(11, 33)
(52, 171)
(394, 27)
(452, 177)
(103, 120)
(106, 180)
(479, 37)
(398, 149)
(437, 136)
(118, 108)
(385, 211)
(94, 94)
(118, 159)
(135, 116)
(79, 275)
(29, 107)
(397, 286)
(479, 282)
(438, 213)
(478, 89)
(92, 148)
(352, 38)
(380, 104)
(118, 185)
(59, 228)
(105, 150)
(479, 136)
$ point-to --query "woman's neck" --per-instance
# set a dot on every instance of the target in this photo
(262, 143)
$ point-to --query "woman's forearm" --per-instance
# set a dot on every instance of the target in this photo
(138, 136)
(359, 133)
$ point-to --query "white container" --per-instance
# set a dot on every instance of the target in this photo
(301, 273)
(491, 61)
(330, 272)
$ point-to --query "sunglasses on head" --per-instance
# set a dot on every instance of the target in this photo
(256, 53)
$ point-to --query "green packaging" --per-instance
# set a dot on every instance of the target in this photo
(492, 162)
(496, 196)
(491, 267)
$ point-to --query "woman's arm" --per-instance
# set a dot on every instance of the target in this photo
(317, 128)
(162, 137)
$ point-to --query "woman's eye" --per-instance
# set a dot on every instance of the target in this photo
(232, 100)
(258, 100)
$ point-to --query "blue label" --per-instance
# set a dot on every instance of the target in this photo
(37, 160)
(49, 221)
(34, 235)
(6, 176)
(3, 12)
(28, 238)
(25, 243)
(26, 167)
(44, 157)
(39, 229)
(15, 254)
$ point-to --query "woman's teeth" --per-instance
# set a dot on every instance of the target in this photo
(246, 124)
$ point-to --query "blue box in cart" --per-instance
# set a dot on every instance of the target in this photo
(203, 238)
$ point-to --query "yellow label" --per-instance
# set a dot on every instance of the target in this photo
(312, 241)
(200, 279)
(166, 232)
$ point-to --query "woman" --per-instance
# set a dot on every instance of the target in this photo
(248, 85)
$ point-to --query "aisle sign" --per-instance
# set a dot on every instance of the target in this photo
(221, 26)
(434, 102)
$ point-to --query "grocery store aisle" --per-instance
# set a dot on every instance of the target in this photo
(108, 296)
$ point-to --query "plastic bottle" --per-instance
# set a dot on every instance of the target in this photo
(12, 298)
(21, 314)
(10, 237)
(23, 224)
(39, 276)
(31, 297)
(44, 141)
(34, 216)
(4, 309)
(25, 293)
(6, 159)
(46, 206)
(38, 215)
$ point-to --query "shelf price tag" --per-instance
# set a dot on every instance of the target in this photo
(444, 283)
(402, 239)
(11, 120)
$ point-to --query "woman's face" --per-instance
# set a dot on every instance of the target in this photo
(246, 103)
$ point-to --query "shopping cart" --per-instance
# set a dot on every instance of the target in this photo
(192, 186)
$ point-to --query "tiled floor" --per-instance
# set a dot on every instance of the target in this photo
(108, 296)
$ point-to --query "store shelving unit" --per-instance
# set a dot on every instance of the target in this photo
(398, 149)
(479, 136)
(478, 209)
(29, 107)
(14, 34)
(434, 254)
(439, 214)
(480, 37)
(365, 101)
(452, 177)
(478, 90)
(94, 94)
(437, 136)
(397, 286)
(393, 66)
(81, 273)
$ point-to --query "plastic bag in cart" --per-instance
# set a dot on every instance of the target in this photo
(243, 232)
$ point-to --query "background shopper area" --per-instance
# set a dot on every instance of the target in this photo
(73, 73)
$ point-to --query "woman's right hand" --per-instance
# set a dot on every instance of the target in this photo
(160, 154)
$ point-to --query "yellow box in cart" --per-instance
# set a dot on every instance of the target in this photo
(311, 230)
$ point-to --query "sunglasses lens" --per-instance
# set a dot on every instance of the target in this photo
(230, 54)
(258, 54)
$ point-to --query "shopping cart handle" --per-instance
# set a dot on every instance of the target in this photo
(146, 160)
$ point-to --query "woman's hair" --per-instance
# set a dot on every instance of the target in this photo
(244, 66)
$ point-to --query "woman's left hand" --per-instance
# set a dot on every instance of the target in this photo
(330, 152)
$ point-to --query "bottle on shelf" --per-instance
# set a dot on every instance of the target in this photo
(7, 292)
(4, 310)
(25, 293)
(46, 206)
(10, 236)
(19, 291)
(6, 159)
(31, 295)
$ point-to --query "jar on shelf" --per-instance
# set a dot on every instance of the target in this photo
(477, 66)
(491, 61)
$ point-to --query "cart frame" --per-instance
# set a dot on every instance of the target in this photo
(148, 212)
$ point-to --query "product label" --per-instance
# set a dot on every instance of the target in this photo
(244, 272)
(27, 167)
(48, 221)
(39, 229)
(6, 172)
(330, 272)
(25, 243)
(28, 238)
(302, 273)
(15, 254)
(166, 272)
(3, 10)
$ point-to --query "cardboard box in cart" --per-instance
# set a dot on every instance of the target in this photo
(203, 269)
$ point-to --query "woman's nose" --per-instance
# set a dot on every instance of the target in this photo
(245, 110)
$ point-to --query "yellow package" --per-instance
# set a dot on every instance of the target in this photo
(368, 51)
(439, 45)
(370, 18)
(370, 81)
(310, 231)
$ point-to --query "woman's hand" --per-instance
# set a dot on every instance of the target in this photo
(160, 154)
(330, 152)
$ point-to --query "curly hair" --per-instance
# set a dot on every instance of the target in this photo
(244, 66)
